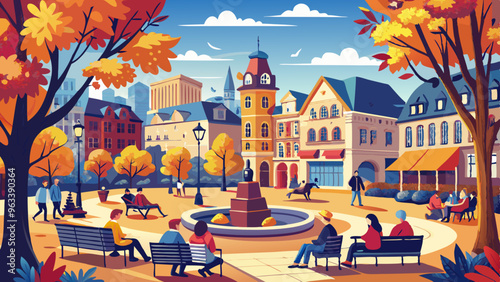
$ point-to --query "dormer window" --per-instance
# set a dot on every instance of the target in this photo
(219, 114)
(465, 98)
(413, 110)
(440, 104)
(494, 94)
(265, 79)
(420, 109)
(248, 79)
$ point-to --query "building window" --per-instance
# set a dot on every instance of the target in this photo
(465, 98)
(265, 146)
(413, 110)
(120, 128)
(471, 166)
(323, 134)
(373, 136)
(440, 104)
(265, 79)
(107, 126)
(66, 117)
(491, 119)
(324, 112)
(420, 108)
(121, 143)
(91, 142)
(96, 142)
(264, 130)
(288, 150)
(281, 129)
(432, 134)
(248, 79)
(296, 127)
(408, 137)
(131, 128)
(248, 102)
(444, 133)
(494, 94)
(93, 126)
(107, 143)
(248, 130)
(296, 148)
(458, 132)
(327, 173)
(336, 133)
(362, 136)
(420, 136)
(312, 135)
(265, 102)
(335, 111)
(313, 114)
(149, 138)
(132, 142)
(388, 138)
(280, 150)
(247, 146)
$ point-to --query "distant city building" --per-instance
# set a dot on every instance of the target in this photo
(111, 127)
(138, 99)
(67, 91)
(120, 100)
(220, 99)
(66, 125)
(108, 95)
(229, 90)
(174, 91)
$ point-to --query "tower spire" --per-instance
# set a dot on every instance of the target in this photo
(258, 44)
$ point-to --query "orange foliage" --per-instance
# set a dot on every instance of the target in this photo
(99, 162)
(133, 162)
(176, 162)
(222, 156)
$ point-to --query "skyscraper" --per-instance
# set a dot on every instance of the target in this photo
(120, 100)
(138, 99)
(108, 95)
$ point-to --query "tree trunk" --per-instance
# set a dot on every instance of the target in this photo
(98, 182)
(223, 188)
(130, 182)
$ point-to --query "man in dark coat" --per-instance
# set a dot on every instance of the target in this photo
(356, 184)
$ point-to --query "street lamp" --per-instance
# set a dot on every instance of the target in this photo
(199, 133)
(78, 129)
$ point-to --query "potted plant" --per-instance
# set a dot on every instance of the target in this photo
(103, 194)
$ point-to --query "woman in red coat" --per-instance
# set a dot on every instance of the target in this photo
(371, 238)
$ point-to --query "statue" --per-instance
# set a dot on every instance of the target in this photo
(248, 173)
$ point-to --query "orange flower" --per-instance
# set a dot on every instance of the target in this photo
(150, 51)
(110, 72)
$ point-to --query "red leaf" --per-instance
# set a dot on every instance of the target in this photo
(370, 16)
(371, 32)
(488, 272)
(365, 29)
(96, 85)
(493, 258)
(381, 56)
(476, 277)
(160, 19)
(362, 22)
(406, 76)
(382, 18)
(383, 65)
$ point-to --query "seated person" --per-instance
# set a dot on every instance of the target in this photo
(403, 228)
(317, 245)
(122, 243)
(371, 238)
(462, 205)
(203, 236)
(472, 202)
(172, 236)
(128, 197)
(141, 200)
(436, 207)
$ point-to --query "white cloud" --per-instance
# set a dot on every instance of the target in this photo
(348, 57)
(227, 18)
(192, 56)
(303, 11)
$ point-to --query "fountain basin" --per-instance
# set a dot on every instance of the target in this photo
(289, 221)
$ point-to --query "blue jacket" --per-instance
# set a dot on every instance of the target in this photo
(41, 195)
(172, 237)
(55, 193)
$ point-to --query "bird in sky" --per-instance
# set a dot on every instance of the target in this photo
(213, 90)
(296, 54)
(213, 47)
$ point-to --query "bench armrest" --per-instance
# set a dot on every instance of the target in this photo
(355, 238)
(220, 251)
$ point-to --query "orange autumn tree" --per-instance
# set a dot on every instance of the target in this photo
(176, 162)
(61, 34)
(222, 160)
(133, 162)
(99, 162)
(440, 34)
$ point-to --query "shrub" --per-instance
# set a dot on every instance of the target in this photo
(82, 277)
(444, 196)
(405, 196)
(390, 193)
(486, 273)
(373, 192)
(422, 197)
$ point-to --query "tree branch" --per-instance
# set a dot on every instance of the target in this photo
(9, 17)
(409, 46)
(44, 156)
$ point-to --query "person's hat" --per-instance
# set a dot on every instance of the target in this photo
(326, 214)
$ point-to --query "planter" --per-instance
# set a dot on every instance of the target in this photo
(103, 195)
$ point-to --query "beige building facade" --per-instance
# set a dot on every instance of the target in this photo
(174, 91)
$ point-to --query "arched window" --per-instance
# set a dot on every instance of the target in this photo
(265, 146)
(491, 119)
(458, 132)
(248, 130)
(432, 134)
(280, 150)
(408, 137)
(420, 135)
(248, 79)
(296, 148)
(312, 135)
(265, 103)
(444, 133)
(335, 111)
(247, 146)
(324, 112)
(281, 129)
(248, 102)
(336, 133)
(265, 79)
(264, 130)
(323, 134)
(313, 113)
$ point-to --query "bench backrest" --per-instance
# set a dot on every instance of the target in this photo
(127, 202)
(93, 238)
(178, 253)
(198, 253)
(403, 244)
(333, 244)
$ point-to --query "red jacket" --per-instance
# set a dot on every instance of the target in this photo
(402, 229)
(435, 203)
(372, 239)
(462, 207)
(206, 239)
(141, 200)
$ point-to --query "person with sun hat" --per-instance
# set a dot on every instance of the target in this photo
(317, 245)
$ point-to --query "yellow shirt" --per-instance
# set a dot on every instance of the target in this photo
(117, 233)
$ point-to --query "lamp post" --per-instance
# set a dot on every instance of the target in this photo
(78, 130)
(199, 133)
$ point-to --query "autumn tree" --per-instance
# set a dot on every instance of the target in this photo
(440, 34)
(99, 162)
(176, 162)
(222, 160)
(60, 34)
(134, 162)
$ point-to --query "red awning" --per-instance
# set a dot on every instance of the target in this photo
(308, 154)
(333, 154)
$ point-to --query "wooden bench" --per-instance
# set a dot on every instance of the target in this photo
(188, 254)
(136, 207)
(332, 250)
(85, 237)
(393, 246)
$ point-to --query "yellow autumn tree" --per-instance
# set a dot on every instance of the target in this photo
(176, 162)
(134, 162)
(99, 162)
(222, 160)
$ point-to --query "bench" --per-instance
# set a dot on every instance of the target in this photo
(393, 246)
(136, 207)
(85, 237)
(189, 254)
(332, 250)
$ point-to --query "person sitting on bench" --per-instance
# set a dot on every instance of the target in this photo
(371, 238)
(403, 228)
(436, 207)
(203, 236)
(141, 200)
(172, 236)
(129, 197)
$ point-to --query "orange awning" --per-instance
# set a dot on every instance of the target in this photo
(445, 159)
(308, 154)
(333, 154)
(407, 160)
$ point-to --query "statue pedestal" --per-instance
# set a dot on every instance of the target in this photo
(249, 208)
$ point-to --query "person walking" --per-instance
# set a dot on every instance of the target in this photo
(41, 199)
(55, 197)
(180, 186)
(356, 184)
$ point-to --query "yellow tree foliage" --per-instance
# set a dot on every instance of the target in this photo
(222, 160)
(133, 162)
(99, 162)
(176, 162)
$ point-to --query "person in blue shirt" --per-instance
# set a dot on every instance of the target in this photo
(55, 197)
(173, 236)
(41, 199)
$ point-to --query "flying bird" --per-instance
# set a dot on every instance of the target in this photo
(296, 54)
(213, 47)
(213, 90)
